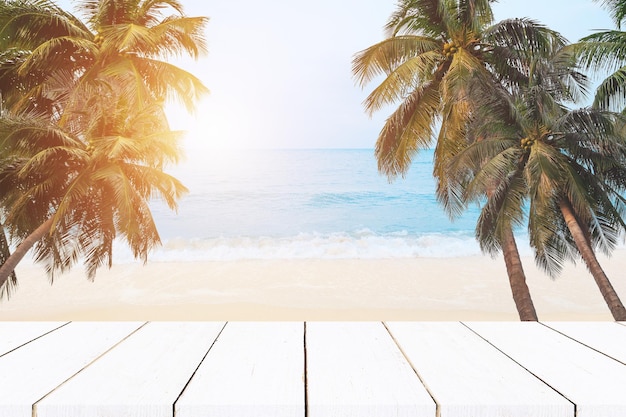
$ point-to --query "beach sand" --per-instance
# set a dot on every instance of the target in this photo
(433, 289)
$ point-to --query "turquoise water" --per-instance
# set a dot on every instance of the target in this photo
(307, 204)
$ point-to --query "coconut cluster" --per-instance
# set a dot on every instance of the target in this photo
(450, 48)
(527, 143)
(98, 39)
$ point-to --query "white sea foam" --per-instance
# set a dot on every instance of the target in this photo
(360, 245)
(323, 204)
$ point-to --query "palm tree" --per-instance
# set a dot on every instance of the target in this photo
(569, 165)
(84, 195)
(133, 38)
(112, 64)
(437, 51)
(22, 89)
(121, 39)
(28, 30)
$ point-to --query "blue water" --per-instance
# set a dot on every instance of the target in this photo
(307, 204)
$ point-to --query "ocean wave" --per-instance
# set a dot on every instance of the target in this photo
(362, 244)
(359, 199)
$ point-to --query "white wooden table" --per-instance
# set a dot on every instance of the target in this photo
(312, 369)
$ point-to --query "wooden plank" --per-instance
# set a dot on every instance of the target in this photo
(253, 369)
(607, 337)
(35, 369)
(355, 369)
(469, 377)
(14, 334)
(143, 376)
(592, 381)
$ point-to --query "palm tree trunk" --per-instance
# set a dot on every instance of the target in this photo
(586, 251)
(5, 252)
(9, 265)
(517, 278)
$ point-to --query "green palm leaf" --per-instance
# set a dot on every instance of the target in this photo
(408, 129)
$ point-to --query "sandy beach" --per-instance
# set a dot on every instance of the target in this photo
(467, 288)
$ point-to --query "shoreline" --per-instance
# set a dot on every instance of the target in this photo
(408, 289)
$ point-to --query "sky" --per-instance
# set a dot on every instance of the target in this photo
(279, 71)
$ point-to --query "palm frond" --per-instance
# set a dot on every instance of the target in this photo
(617, 9)
(408, 129)
(180, 36)
(611, 93)
(26, 24)
(384, 57)
(602, 51)
(417, 17)
(401, 81)
(151, 182)
(151, 11)
(549, 238)
(475, 14)
(500, 162)
(525, 36)
(169, 82)
(452, 140)
(69, 53)
(502, 210)
(544, 171)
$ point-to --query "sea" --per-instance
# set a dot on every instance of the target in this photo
(299, 204)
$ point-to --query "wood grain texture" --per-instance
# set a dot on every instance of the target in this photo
(592, 381)
(605, 336)
(253, 369)
(360, 369)
(15, 334)
(143, 376)
(35, 369)
(355, 369)
(469, 377)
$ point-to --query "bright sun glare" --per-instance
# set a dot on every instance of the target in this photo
(205, 129)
